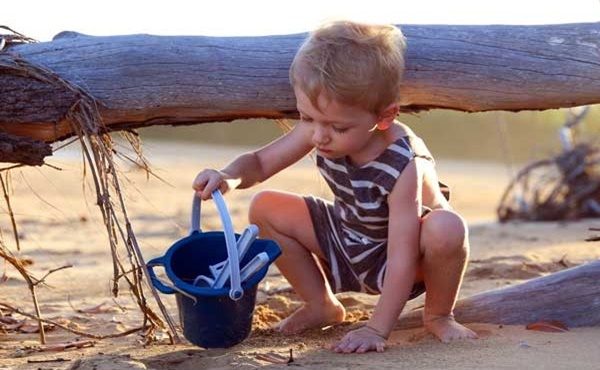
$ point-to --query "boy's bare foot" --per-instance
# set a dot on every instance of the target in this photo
(446, 328)
(312, 316)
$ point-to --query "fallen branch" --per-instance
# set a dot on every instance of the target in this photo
(74, 331)
(215, 79)
(60, 359)
(569, 296)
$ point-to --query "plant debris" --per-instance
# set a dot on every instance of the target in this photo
(552, 326)
(566, 186)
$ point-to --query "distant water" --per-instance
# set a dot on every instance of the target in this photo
(502, 137)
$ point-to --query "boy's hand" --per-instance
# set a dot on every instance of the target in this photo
(361, 340)
(209, 180)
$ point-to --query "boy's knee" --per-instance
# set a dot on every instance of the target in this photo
(260, 206)
(444, 232)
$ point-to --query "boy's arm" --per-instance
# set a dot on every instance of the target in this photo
(257, 166)
(403, 249)
(253, 167)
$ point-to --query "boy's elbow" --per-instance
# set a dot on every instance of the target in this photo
(253, 171)
(258, 169)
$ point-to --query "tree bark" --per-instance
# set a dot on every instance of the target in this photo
(143, 80)
(18, 149)
(571, 296)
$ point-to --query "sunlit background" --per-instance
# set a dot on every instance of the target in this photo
(44, 19)
(508, 137)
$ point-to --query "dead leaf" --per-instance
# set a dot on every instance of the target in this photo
(33, 327)
(12, 327)
(553, 326)
(9, 320)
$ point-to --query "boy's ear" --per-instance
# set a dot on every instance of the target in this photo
(387, 116)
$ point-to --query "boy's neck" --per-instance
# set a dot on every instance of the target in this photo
(377, 145)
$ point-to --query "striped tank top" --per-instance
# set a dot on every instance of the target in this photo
(361, 192)
(361, 209)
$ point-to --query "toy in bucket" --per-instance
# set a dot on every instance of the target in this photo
(214, 298)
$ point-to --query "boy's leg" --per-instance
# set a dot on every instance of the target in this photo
(445, 249)
(284, 217)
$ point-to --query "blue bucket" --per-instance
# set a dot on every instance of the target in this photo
(213, 318)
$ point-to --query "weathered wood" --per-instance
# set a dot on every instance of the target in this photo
(571, 296)
(143, 80)
(18, 149)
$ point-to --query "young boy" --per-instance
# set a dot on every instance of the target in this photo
(389, 231)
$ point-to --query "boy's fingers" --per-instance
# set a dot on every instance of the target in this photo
(351, 347)
(224, 187)
(336, 346)
(211, 185)
(341, 346)
(363, 348)
(199, 183)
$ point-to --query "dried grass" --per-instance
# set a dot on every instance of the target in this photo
(99, 156)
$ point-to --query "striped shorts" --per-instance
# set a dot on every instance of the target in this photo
(341, 273)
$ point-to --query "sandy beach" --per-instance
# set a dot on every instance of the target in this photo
(59, 225)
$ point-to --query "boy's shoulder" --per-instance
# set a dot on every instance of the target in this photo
(416, 143)
(402, 130)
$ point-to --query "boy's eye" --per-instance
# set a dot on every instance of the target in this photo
(340, 129)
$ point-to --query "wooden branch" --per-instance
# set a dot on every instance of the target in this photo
(571, 296)
(18, 149)
(72, 330)
(143, 80)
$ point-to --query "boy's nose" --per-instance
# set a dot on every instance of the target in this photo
(320, 136)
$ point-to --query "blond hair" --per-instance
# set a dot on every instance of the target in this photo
(353, 63)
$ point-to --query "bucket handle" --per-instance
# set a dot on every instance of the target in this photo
(155, 280)
(235, 292)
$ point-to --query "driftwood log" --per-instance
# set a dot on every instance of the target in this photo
(570, 296)
(143, 80)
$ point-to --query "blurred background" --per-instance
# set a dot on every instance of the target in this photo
(506, 138)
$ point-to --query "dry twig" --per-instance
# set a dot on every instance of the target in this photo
(9, 207)
(74, 331)
(31, 284)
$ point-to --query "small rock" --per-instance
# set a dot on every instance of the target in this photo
(523, 344)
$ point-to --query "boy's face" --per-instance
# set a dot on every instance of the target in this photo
(337, 129)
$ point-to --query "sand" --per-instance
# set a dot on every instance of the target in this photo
(59, 225)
